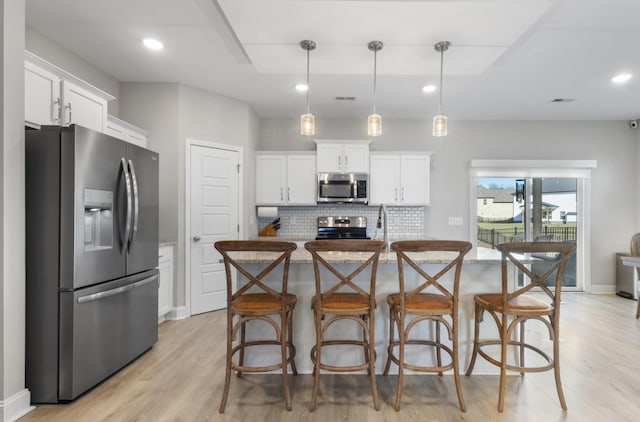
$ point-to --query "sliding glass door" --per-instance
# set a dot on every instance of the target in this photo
(517, 209)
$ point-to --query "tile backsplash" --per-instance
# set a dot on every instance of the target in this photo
(300, 223)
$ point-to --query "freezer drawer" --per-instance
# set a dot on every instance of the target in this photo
(103, 328)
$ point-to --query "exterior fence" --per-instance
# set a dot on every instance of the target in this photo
(493, 237)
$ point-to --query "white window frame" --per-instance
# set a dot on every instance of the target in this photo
(578, 169)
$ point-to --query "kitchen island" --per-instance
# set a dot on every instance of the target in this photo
(481, 272)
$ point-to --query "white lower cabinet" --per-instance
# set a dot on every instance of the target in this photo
(165, 290)
(399, 179)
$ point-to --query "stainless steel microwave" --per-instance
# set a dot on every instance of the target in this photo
(343, 187)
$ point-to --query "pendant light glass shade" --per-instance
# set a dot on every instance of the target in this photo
(307, 124)
(307, 120)
(374, 122)
(440, 125)
(440, 121)
(374, 125)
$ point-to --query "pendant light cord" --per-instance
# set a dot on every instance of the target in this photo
(308, 87)
(441, 72)
(375, 62)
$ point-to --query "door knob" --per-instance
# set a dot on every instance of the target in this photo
(196, 238)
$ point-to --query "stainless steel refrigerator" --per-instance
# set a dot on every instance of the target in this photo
(92, 253)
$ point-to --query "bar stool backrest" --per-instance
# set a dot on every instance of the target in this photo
(371, 248)
(515, 252)
(281, 257)
(404, 248)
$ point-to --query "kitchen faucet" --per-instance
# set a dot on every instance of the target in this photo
(382, 210)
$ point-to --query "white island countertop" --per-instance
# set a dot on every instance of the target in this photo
(477, 255)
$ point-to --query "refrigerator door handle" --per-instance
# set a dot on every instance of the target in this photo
(116, 291)
(127, 219)
(134, 183)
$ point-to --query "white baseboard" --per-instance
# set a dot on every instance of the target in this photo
(179, 312)
(15, 406)
(603, 290)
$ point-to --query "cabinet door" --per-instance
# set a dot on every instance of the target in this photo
(114, 129)
(271, 176)
(83, 107)
(301, 180)
(136, 138)
(41, 96)
(356, 158)
(384, 179)
(415, 177)
(330, 158)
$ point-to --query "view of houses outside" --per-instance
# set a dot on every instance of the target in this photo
(501, 213)
(501, 206)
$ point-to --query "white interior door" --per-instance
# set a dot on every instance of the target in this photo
(214, 216)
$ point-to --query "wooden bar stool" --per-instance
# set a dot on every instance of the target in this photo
(430, 301)
(340, 298)
(514, 306)
(255, 300)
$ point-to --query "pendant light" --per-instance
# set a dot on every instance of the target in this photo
(374, 122)
(440, 121)
(307, 120)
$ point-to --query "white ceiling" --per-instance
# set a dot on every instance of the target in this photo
(508, 60)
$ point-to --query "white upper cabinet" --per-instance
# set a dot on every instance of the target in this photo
(42, 95)
(285, 179)
(55, 97)
(301, 179)
(126, 131)
(271, 179)
(400, 179)
(83, 107)
(342, 156)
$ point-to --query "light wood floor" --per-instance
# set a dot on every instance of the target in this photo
(181, 378)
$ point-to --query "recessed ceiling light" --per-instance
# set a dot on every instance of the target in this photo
(429, 88)
(621, 78)
(302, 87)
(153, 44)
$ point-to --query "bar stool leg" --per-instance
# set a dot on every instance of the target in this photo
(227, 377)
(371, 352)
(438, 348)
(387, 365)
(283, 353)
(316, 362)
(522, 346)
(401, 339)
(456, 367)
(243, 339)
(476, 332)
(294, 370)
(556, 369)
(503, 361)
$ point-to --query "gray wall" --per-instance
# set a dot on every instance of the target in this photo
(612, 144)
(14, 398)
(174, 113)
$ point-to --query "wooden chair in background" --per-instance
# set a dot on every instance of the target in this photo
(511, 308)
(429, 301)
(338, 297)
(256, 300)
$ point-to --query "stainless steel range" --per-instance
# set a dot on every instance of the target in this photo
(342, 228)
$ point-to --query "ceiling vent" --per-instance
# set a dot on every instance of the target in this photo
(562, 100)
(345, 98)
